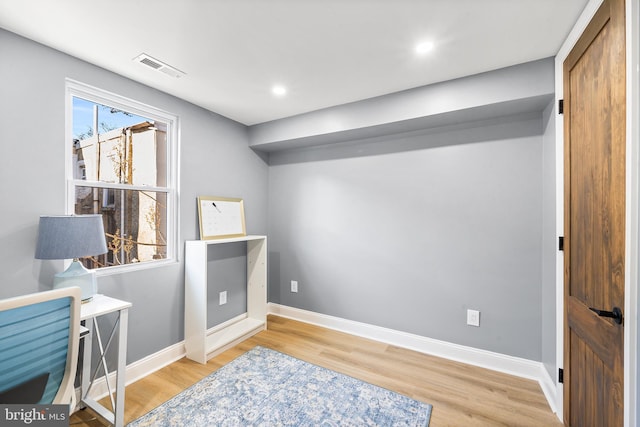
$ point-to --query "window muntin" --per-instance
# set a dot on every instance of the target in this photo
(122, 166)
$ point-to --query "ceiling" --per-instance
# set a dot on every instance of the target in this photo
(325, 52)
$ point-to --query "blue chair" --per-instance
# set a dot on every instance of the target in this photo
(39, 338)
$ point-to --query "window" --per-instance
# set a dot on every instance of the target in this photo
(121, 163)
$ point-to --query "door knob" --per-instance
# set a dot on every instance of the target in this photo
(616, 314)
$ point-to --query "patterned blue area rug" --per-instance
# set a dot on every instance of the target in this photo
(266, 388)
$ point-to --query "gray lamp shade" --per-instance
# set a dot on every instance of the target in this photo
(70, 236)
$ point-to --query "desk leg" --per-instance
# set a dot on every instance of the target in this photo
(122, 366)
(115, 417)
(86, 362)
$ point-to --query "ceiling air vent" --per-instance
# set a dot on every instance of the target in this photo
(151, 62)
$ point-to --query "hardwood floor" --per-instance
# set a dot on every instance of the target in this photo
(461, 395)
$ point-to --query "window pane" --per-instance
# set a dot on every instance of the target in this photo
(111, 145)
(135, 224)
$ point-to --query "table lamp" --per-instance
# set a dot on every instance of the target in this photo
(72, 237)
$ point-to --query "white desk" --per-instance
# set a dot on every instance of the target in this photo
(99, 306)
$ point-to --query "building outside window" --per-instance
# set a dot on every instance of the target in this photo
(122, 165)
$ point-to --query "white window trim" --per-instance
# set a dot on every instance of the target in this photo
(90, 93)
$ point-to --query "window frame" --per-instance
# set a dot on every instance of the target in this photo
(80, 90)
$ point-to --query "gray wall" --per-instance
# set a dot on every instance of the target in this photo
(226, 271)
(407, 232)
(214, 160)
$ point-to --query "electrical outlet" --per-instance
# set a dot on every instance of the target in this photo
(473, 318)
(294, 286)
(223, 298)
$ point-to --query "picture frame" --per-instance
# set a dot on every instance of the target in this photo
(221, 217)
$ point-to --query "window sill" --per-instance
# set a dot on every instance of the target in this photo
(138, 266)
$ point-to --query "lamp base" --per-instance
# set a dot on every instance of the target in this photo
(77, 275)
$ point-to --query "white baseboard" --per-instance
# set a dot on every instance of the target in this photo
(548, 386)
(486, 359)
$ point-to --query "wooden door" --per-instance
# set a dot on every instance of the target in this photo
(594, 130)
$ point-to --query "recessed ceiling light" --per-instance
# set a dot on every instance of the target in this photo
(279, 90)
(424, 47)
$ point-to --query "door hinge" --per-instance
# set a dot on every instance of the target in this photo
(561, 243)
(561, 106)
(561, 375)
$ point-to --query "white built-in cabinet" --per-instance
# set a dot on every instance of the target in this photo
(202, 343)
